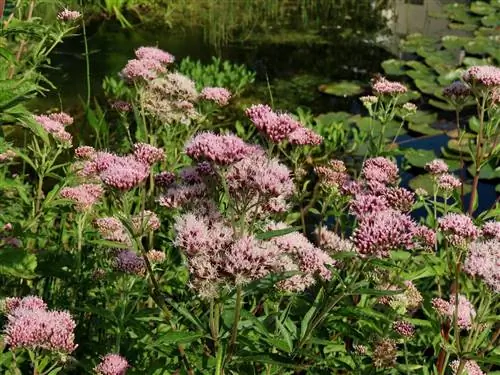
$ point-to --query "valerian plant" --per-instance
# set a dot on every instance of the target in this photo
(191, 250)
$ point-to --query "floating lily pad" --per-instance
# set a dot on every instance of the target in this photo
(418, 158)
(426, 182)
(366, 124)
(454, 41)
(490, 20)
(462, 26)
(394, 67)
(445, 106)
(327, 119)
(460, 12)
(482, 8)
(424, 75)
(407, 96)
(416, 41)
(422, 117)
(448, 78)
(427, 86)
(487, 172)
(341, 88)
(455, 145)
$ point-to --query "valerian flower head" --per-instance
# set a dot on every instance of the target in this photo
(112, 364)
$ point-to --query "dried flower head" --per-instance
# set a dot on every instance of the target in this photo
(156, 256)
(457, 91)
(385, 353)
(368, 101)
(165, 179)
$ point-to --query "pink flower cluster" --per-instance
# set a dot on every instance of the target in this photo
(448, 182)
(218, 149)
(491, 230)
(83, 196)
(142, 69)
(165, 179)
(218, 95)
(380, 170)
(457, 91)
(112, 364)
(331, 241)
(458, 229)
(31, 326)
(465, 312)
(380, 232)
(119, 172)
(55, 124)
(146, 221)
(382, 86)
(112, 229)
(483, 261)
(128, 261)
(216, 255)
(156, 256)
(148, 154)
(7, 156)
(403, 328)
(154, 53)
(68, 15)
(436, 167)
(334, 174)
(258, 175)
(484, 75)
(470, 368)
(279, 127)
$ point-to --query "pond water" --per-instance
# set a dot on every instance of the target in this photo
(296, 58)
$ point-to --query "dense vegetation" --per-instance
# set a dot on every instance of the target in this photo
(172, 228)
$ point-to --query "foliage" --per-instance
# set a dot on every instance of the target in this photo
(288, 248)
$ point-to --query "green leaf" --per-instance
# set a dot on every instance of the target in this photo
(418, 158)
(17, 263)
(304, 325)
(277, 233)
(176, 337)
(394, 67)
(482, 8)
(487, 172)
(341, 88)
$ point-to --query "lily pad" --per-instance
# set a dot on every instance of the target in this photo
(455, 145)
(416, 41)
(487, 172)
(482, 8)
(462, 26)
(422, 117)
(426, 182)
(365, 123)
(418, 158)
(441, 105)
(407, 96)
(427, 86)
(490, 20)
(454, 42)
(330, 118)
(424, 129)
(341, 88)
(394, 67)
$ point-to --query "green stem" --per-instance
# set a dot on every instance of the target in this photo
(478, 158)
(234, 332)
(87, 62)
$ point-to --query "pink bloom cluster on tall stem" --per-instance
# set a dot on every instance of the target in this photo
(380, 232)
(218, 149)
(83, 196)
(484, 75)
(112, 364)
(55, 124)
(483, 261)
(491, 230)
(120, 172)
(465, 310)
(279, 127)
(154, 53)
(142, 69)
(31, 326)
(218, 95)
(380, 170)
(112, 229)
(334, 174)
(471, 368)
(383, 86)
(458, 229)
(436, 167)
(128, 261)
